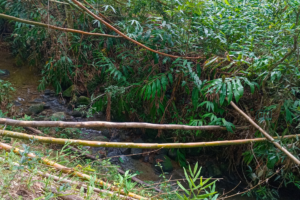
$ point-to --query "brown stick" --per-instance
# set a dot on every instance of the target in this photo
(54, 27)
(100, 14)
(119, 170)
(133, 145)
(93, 124)
(126, 37)
(270, 138)
(70, 171)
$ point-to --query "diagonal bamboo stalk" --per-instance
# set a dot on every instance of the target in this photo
(270, 138)
(78, 184)
(93, 124)
(70, 171)
(126, 37)
(133, 145)
(54, 27)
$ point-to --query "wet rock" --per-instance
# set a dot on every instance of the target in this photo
(49, 92)
(47, 106)
(69, 92)
(165, 162)
(16, 103)
(36, 101)
(163, 151)
(113, 155)
(35, 109)
(58, 116)
(100, 138)
(44, 113)
(82, 100)
(77, 113)
(213, 170)
(137, 151)
(125, 151)
(193, 151)
(99, 152)
(146, 158)
(4, 72)
(172, 153)
(105, 132)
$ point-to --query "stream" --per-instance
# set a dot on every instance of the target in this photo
(26, 79)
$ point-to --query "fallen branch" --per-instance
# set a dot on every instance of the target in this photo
(70, 171)
(54, 27)
(125, 36)
(119, 170)
(270, 138)
(93, 124)
(78, 184)
(134, 145)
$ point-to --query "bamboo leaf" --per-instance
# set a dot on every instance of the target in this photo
(223, 93)
(229, 91)
(195, 97)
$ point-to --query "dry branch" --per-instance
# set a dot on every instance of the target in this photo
(55, 27)
(126, 37)
(270, 138)
(133, 145)
(93, 124)
(70, 171)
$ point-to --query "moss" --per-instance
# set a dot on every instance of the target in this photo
(82, 100)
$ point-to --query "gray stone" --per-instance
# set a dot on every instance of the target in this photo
(58, 116)
(165, 162)
(16, 103)
(163, 151)
(49, 92)
(172, 153)
(137, 151)
(4, 72)
(76, 113)
(35, 109)
(36, 101)
(105, 132)
(82, 100)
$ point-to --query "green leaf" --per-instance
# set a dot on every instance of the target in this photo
(170, 78)
(164, 82)
(229, 91)
(226, 1)
(272, 161)
(158, 86)
(223, 93)
(195, 97)
(186, 191)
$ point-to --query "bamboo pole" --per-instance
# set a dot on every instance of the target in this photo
(268, 137)
(128, 38)
(135, 179)
(70, 171)
(54, 27)
(93, 124)
(133, 145)
(76, 183)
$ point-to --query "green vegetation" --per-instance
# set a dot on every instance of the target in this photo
(246, 51)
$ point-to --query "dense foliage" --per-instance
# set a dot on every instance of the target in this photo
(249, 52)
